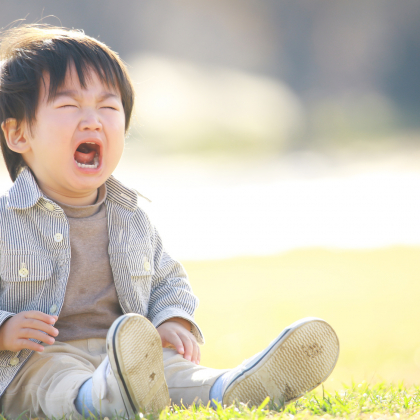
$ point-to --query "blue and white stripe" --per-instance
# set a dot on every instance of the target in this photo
(148, 281)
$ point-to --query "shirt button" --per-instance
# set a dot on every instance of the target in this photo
(49, 206)
(58, 237)
(23, 272)
(14, 361)
(146, 265)
(53, 309)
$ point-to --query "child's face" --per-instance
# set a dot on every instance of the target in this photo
(78, 138)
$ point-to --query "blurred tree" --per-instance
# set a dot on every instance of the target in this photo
(319, 48)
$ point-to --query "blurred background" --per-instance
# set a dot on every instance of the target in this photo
(279, 144)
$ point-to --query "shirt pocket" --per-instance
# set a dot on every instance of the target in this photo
(25, 267)
(140, 266)
(140, 261)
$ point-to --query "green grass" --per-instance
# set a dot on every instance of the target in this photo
(371, 298)
(358, 401)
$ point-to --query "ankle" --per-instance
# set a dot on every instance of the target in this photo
(216, 391)
(106, 395)
(83, 401)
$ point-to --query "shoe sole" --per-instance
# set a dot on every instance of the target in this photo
(297, 361)
(135, 353)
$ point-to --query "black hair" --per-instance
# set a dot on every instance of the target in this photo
(28, 52)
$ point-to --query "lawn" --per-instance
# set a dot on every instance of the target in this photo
(358, 401)
(371, 298)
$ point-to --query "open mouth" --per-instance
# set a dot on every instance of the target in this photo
(87, 155)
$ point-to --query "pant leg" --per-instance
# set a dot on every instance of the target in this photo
(188, 382)
(49, 382)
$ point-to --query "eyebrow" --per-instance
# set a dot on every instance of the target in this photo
(75, 94)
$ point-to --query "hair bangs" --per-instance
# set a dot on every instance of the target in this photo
(83, 61)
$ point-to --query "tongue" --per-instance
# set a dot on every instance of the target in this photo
(85, 158)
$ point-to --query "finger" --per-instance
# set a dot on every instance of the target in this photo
(193, 348)
(39, 325)
(40, 316)
(22, 343)
(36, 335)
(177, 343)
(188, 346)
(194, 357)
(199, 355)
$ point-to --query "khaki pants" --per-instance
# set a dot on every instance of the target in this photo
(49, 382)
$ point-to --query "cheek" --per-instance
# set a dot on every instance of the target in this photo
(118, 125)
(117, 148)
(55, 127)
(116, 135)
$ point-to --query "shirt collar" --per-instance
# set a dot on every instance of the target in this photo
(25, 192)
(120, 194)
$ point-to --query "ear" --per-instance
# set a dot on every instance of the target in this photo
(15, 136)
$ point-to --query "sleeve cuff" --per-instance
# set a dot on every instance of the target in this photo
(4, 316)
(169, 313)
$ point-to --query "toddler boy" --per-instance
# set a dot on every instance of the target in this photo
(88, 295)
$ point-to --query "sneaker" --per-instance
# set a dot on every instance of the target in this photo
(132, 377)
(297, 361)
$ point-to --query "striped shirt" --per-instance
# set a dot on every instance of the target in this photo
(35, 261)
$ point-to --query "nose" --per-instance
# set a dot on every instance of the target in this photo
(90, 121)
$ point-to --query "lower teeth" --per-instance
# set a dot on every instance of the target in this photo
(94, 166)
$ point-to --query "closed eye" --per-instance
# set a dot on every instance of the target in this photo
(109, 106)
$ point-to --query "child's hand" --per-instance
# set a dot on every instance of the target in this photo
(175, 333)
(16, 331)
